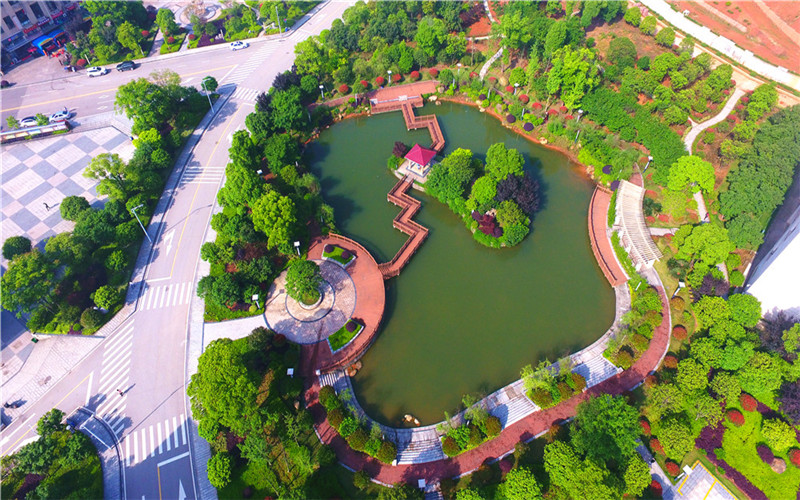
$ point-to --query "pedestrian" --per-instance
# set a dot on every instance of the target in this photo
(46, 206)
(119, 391)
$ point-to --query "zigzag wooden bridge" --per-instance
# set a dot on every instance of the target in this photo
(417, 233)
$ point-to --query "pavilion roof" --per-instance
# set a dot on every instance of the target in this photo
(420, 155)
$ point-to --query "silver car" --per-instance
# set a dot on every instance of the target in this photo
(96, 71)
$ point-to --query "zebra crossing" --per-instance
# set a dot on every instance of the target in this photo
(245, 94)
(173, 294)
(245, 69)
(115, 375)
(202, 175)
(161, 437)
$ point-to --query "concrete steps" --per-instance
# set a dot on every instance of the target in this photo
(596, 370)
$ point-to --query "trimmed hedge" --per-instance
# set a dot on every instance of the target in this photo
(748, 402)
(735, 417)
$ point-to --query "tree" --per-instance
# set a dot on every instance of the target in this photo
(287, 110)
(622, 52)
(606, 428)
(663, 399)
(574, 72)
(483, 191)
(637, 476)
(129, 37)
(761, 376)
(790, 401)
(219, 465)
(469, 494)
(165, 20)
(303, 280)
(707, 243)
(149, 105)
(66, 249)
(633, 16)
(779, 435)
(16, 245)
(112, 172)
(514, 31)
(691, 170)
(666, 37)
(502, 162)
(676, 438)
(692, 376)
(223, 290)
(448, 179)
(523, 190)
(243, 186)
(726, 386)
(520, 484)
(431, 34)
(106, 297)
(276, 216)
(648, 25)
(12, 122)
(222, 392)
(577, 478)
(281, 150)
(763, 98)
(745, 309)
(72, 207)
(556, 36)
(29, 280)
(711, 310)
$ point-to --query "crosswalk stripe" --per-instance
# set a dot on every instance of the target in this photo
(119, 428)
(189, 292)
(152, 443)
(160, 442)
(166, 434)
(179, 293)
(121, 337)
(175, 431)
(108, 386)
(144, 444)
(183, 428)
(127, 453)
(116, 360)
(168, 294)
(110, 353)
(135, 446)
(149, 298)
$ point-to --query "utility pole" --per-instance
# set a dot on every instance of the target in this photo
(278, 16)
(203, 85)
(133, 210)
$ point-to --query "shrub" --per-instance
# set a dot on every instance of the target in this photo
(778, 434)
(433, 72)
(81, 63)
(748, 402)
(344, 89)
(578, 382)
(219, 470)
(645, 427)
(794, 457)
(450, 447)
(640, 342)
(361, 480)
(414, 76)
(492, 80)
(328, 397)
(171, 40)
(511, 118)
(656, 489)
(16, 245)
(655, 445)
(328, 248)
(679, 332)
(335, 417)
(737, 278)
(542, 398)
(348, 426)
(564, 390)
(765, 454)
(735, 417)
(387, 453)
(509, 88)
(192, 37)
(677, 303)
(528, 126)
(650, 381)
(364, 84)
(396, 77)
(493, 426)
(346, 254)
(673, 469)
(670, 361)
(624, 360)
(380, 81)
(91, 318)
(524, 99)
(351, 326)
(145, 33)
(357, 439)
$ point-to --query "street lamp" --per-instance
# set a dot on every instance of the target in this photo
(321, 94)
(516, 87)
(279, 19)
(297, 247)
(390, 77)
(203, 85)
(133, 211)
(255, 299)
(649, 159)
(580, 113)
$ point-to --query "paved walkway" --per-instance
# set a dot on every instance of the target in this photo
(598, 237)
(697, 128)
(308, 325)
(723, 45)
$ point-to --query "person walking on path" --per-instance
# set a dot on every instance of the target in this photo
(46, 207)
(119, 391)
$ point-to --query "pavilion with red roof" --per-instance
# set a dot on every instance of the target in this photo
(420, 160)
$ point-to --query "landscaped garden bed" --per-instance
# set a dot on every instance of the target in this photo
(345, 334)
(548, 385)
(479, 428)
(338, 254)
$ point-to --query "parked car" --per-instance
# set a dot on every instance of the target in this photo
(126, 66)
(59, 116)
(239, 45)
(28, 121)
(96, 71)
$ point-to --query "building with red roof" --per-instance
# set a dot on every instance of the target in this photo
(420, 159)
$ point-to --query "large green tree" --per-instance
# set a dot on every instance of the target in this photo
(502, 161)
(303, 279)
(276, 216)
(130, 37)
(691, 171)
(28, 280)
(707, 243)
(575, 477)
(574, 73)
(606, 428)
(431, 35)
(520, 484)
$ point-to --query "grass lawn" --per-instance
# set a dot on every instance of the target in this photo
(337, 256)
(740, 444)
(342, 337)
(214, 312)
(168, 48)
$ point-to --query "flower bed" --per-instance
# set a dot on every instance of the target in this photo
(345, 334)
(465, 437)
(338, 254)
(177, 41)
(558, 389)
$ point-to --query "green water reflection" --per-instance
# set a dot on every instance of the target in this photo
(462, 318)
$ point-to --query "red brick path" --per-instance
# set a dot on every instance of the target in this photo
(601, 247)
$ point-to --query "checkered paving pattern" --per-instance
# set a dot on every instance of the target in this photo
(47, 171)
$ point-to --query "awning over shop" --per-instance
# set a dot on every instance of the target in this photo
(43, 40)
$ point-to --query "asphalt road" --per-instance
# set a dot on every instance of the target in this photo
(145, 358)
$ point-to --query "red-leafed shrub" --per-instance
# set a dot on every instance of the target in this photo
(351, 326)
(650, 381)
(655, 445)
(509, 88)
(346, 254)
(472, 74)
(563, 109)
(655, 489)
(364, 84)
(679, 332)
(645, 426)
(765, 454)
(552, 112)
(380, 80)
(735, 417)
(192, 37)
(673, 469)
(396, 77)
(528, 126)
(81, 62)
(171, 40)
(344, 89)
(492, 80)
(748, 402)
(537, 105)
(569, 117)
(414, 75)
(670, 361)
(433, 72)
(794, 457)
(511, 118)
(663, 217)
(649, 219)
(524, 99)
(145, 33)
(745, 99)
(328, 248)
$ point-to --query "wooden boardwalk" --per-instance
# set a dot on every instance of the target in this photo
(387, 100)
(598, 238)
(417, 233)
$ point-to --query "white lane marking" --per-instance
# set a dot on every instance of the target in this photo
(127, 453)
(173, 459)
(175, 431)
(89, 389)
(166, 434)
(183, 428)
(144, 445)
(152, 442)
(135, 446)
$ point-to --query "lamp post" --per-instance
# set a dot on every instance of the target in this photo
(516, 87)
(580, 113)
(649, 159)
(279, 19)
(297, 247)
(203, 85)
(255, 299)
(133, 211)
(389, 72)
(321, 93)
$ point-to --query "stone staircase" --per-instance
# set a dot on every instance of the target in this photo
(416, 446)
(510, 405)
(596, 370)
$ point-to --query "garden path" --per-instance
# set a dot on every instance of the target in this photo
(697, 128)
(598, 237)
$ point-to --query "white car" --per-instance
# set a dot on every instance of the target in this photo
(239, 45)
(59, 116)
(96, 71)
(28, 121)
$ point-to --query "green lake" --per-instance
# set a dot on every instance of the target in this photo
(462, 318)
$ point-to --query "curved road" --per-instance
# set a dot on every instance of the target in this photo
(146, 357)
